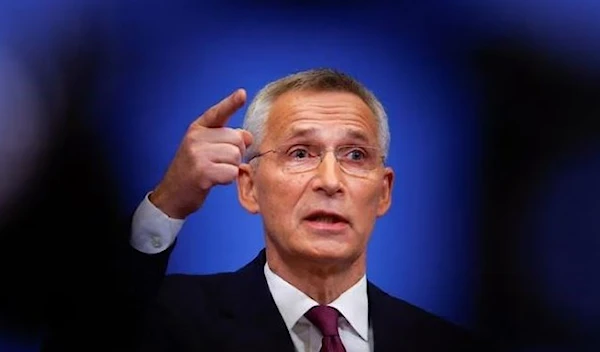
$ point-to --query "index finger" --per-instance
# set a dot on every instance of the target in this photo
(219, 113)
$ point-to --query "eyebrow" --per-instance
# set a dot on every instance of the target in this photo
(302, 132)
(358, 135)
(299, 132)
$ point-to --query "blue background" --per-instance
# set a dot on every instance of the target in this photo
(176, 59)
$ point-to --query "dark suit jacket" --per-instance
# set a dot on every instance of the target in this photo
(105, 321)
(236, 312)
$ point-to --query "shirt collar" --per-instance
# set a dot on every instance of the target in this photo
(354, 306)
(293, 303)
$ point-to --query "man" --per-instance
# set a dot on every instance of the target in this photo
(311, 161)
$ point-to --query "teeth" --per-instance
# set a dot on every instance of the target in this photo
(327, 219)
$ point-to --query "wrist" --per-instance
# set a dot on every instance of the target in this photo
(169, 204)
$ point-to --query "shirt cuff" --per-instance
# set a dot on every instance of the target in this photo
(153, 231)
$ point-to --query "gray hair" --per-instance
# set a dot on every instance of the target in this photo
(323, 80)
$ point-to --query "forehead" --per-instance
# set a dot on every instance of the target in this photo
(321, 115)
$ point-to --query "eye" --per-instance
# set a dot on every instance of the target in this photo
(298, 152)
(355, 153)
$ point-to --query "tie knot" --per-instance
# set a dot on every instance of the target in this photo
(325, 318)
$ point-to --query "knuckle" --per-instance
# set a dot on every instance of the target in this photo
(194, 148)
(189, 152)
(233, 172)
(204, 183)
(202, 167)
(237, 154)
(193, 128)
(188, 142)
(228, 174)
(203, 177)
(228, 177)
(234, 150)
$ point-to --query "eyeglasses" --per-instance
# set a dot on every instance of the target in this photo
(356, 160)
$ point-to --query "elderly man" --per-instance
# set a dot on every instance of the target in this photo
(311, 161)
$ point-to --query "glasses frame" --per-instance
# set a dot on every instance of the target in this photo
(322, 154)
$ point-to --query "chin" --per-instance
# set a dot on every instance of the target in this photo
(327, 252)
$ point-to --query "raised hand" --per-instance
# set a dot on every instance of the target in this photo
(209, 155)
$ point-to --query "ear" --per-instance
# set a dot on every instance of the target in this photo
(385, 201)
(246, 190)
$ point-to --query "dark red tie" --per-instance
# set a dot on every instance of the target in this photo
(325, 318)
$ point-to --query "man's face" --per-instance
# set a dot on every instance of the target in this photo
(324, 214)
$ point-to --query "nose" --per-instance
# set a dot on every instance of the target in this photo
(328, 177)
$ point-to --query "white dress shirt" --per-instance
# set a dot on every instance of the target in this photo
(353, 323)
(153, 232)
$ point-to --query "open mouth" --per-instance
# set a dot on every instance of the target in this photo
(327, 221)
(329, 218)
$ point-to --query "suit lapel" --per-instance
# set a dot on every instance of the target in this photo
(391, 327)
(248, 305)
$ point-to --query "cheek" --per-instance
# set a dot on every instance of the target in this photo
(368, 190)
(366, 201)
(279, 195)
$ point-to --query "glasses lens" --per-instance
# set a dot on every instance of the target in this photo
(357, 160)
(353, 159)
(299, 158)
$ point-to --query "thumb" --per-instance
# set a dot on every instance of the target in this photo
(246, 136)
